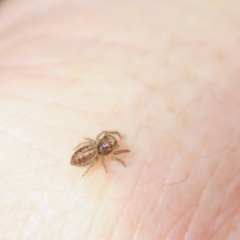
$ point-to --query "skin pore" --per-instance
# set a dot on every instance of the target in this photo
(165, 74)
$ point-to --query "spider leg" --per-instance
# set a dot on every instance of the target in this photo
(119, 160)
(121, 151)
(116, 147)
(91, 140)
(116, 133)
(89, 167)
(103, 163)
(100, 135)
(103, 133)
(80, 144)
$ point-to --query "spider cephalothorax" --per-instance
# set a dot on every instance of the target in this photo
(107, 144)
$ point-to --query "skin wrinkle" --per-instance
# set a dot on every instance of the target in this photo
(123, 211)
(69, 193)
(95, 59)
(194, 102)
(224, 201)
(109, 41)
(167, 184)
(204, 140)
(40, 73)
(219, 150)
(11, 133)
(21, 19)
(127, 204)
(209, 155)
(93, 217)
(147, 85)
(77, 108)
(154, 94)
(100, 51)
(49, 125)
(91, 220)
(34, 147)
(217, 13)
(177, 221)
(161, 196)
(219, 213)
(26, 219)
(55, 101)
(217, 99)
(216, 152)
(52, 175)
(45, 222)
(113, 222)
(230, 225)
(62, 62)
(122, 215)
(226, 196)
(201, 199)
(65, 213)
(172, 84)
(33, 169)
(138, 186)
(7, 115)
(31, 97)
(187, 173)
(228, 232)
(26, 143)
(137, 232)
(181, 112)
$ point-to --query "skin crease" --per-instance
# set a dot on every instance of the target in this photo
(165, 74)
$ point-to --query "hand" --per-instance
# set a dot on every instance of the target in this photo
(164, 74)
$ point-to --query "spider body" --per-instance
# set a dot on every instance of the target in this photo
(90, 151)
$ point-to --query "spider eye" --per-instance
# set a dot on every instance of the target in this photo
(105, 145)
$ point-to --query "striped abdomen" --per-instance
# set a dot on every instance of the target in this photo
(84, 155)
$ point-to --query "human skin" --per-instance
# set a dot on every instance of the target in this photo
(165, 74)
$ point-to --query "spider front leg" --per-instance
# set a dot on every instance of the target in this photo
(121, 151)
(103, 163)
(115, 133)
(100, 135)
(103, 133)
(119, 160)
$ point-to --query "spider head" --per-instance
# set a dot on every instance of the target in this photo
(107, 144)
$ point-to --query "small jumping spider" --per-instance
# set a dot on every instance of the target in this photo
(90, 151)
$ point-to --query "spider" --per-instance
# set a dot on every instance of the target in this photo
(90, 151)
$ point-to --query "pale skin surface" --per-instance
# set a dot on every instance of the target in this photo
(165, 74)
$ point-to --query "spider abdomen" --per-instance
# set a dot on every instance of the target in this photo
(84, 155)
